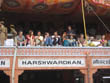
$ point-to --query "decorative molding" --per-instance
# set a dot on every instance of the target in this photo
(7, 72)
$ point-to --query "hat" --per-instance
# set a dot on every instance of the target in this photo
(1, 22)
(12, 26)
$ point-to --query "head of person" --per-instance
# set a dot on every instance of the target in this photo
(87, 37)
(12, 26)
(64, 33)
(47, 34)
(1, 23)
(20, 33)
(39, 33)
(71, 37)
(81, 35)
(55, 33)
(31, 32)
(69, 28)
(92, 38)
(103, 36)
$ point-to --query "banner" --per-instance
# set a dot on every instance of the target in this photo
(49, 62)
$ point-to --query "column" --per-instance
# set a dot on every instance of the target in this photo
(92, 71)
(8, 72)
(85, 75)
(16, 77)
(17, 73)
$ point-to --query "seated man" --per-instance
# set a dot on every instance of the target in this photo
(39, 39)
(21, 39)
(72, 41)
(47, 40)
(81, 40)
(56, 39)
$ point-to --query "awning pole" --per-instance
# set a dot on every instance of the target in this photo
(84, 22)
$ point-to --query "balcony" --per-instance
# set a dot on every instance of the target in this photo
(86, 59)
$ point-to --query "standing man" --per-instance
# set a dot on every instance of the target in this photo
(70, 32)
(14, 33)
(39, 40)
(3, 33)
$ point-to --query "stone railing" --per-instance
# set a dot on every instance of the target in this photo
(14, 60)
(55, 51)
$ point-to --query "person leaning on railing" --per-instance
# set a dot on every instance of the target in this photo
(39, 40)
(72, 41)
(56, 39)
(103, 41)
(65, 41)
(81, 40)
(30, 38)
(47, 39)
(21, 39)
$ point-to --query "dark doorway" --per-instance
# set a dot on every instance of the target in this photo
(4, 78)
(52, 76)
(102, 76)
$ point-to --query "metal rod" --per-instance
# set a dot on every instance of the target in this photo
(84, 22)
(13, 67)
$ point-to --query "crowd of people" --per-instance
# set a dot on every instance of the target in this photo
(68, 38)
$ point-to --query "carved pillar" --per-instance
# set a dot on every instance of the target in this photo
(92, 71)
(85, 75)
(87, 70)
(17, 73)
(9, 74)
(88, 78)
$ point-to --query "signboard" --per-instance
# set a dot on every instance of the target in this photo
(4, 63)
(51, 62)
(101, 62)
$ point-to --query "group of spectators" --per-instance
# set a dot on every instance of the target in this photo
(68, 38)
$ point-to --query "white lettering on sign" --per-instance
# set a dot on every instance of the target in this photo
(101, 62)
(4, 63)
(48, 62)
